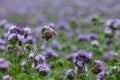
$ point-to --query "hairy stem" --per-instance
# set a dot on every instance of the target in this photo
(29, 65)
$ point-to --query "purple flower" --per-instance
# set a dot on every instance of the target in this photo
(97, 66)
(113, 23)
(4, 64)
(108, 54)
(40, 58)
(82, 37)
(2, 45)
(63, 26)
(93, 36)
(50, 53)
(79, 64)
(70, 74)
(83, 55)
(56, 44)
(17, 33)
(70, 56)
(2, 42)
(101, 75)
(43, 69)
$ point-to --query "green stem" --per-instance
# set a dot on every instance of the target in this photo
(39, 46)
(29, 64)
(38, 49)
(14, 58)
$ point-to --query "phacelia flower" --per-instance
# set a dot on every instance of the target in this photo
(43, 69)
(102, 75)
(4, 64)
(13, 38)
(70, 74)
(82, 37)
(97, 66)
(40, 58)
(83, 55)
(2, 45)
(50, 53)
(93, 36)
(17, 33)
(79, 64)
(70, 56)
(113, 23)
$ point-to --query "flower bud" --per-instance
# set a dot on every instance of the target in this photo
(48, 32)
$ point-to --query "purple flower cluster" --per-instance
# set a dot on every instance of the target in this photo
(43, 69)
(87, 37)
(97, 66)
(82, 57)
(17, 33)
(102, 75)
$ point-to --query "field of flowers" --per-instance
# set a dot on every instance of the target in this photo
(59, 40)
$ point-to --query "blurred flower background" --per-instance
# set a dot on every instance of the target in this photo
(46, 10)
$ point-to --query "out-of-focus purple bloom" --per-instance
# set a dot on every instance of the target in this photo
(2, 44)
(56, 44)
(43, 69)
(63, 26)
(4, 64)
(70, 56)
(108, 54)
(87, 37)
(2, 47)
(93, 36)
(113, 23)
(117, 34)
(40, 58)
(70, 74)
(79, 64)
(83, 55)
(30, 39)
(97, 66)
(50, 53)
(82, 37)
(3, 22)
(101, 75)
